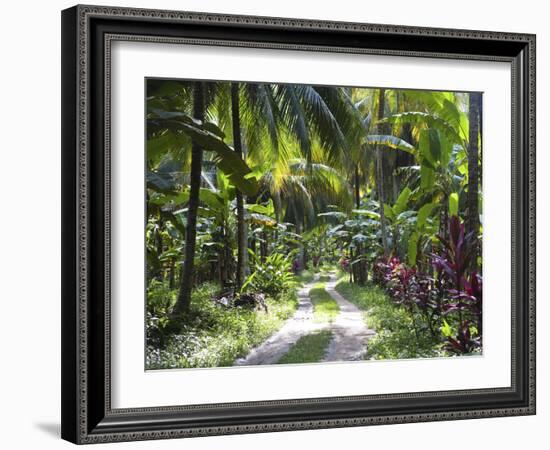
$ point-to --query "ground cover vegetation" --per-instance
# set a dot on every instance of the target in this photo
(253, 188)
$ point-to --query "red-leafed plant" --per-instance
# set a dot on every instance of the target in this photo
(449, 302)
(412, 289)
(464, 341)
(460, 291)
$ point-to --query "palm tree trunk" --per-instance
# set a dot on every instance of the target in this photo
(241, 225)
(186, 282)
(172, 274)
(380, 173)
(357, 187)
(277, 207)
(299, 223)
(222, 258)
(263, 247)
(472, 222)
(359, 267)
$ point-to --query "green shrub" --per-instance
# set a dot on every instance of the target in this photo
(271, 277)
(212, 335)
(160, 301)
(395, 338)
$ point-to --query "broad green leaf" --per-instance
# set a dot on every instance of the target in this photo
(169, 254)
(390, 141)
(424, 213)
(435, 145)
(359, 237)
(402, 200)
(214, 129)
(427, 177)
(413, 248)
(446, 329)
(160, 145)
(463, 168)
(334, 214)
(453, 204)
(341, 233)
(164, 199)
(201, 212)
(406, 216)
(430, 146)
(335, 229)
(259, 171)
(211, 199)
(261, 209)
(451, 114)
(388, 212)
(226, 159)
(368, 213)
(262, 220)
(169, 115)
(446, 151)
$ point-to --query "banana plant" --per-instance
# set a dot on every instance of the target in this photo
(442, 151)
(209, 137)
(413, 231)
(358, 235)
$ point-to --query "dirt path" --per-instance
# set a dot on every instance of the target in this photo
(300, 324)
(349, 329)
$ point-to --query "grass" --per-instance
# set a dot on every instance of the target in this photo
(212, 335)
(308, 349)
(395, 338)
(325, 308)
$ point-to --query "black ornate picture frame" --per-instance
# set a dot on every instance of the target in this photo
(87, 34)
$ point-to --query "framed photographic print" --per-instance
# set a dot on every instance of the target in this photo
(281, 224)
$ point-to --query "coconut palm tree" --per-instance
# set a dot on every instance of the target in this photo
(472, 223)
(242, 238)
(262, 112)
(174, 130)
(259, 114)
(184, 297)
(370, 146)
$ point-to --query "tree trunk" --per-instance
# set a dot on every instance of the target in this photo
(222, 258)
(360, 267)
(472, 222)
(380, 173)
(300, 246)
(241, 224)
(186, 282)
(263, 247)
(172, 274)
(357, 188)
(299, 224)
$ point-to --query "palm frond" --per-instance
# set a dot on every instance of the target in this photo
(293, 114)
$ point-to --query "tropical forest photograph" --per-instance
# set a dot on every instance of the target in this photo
(299, 224)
